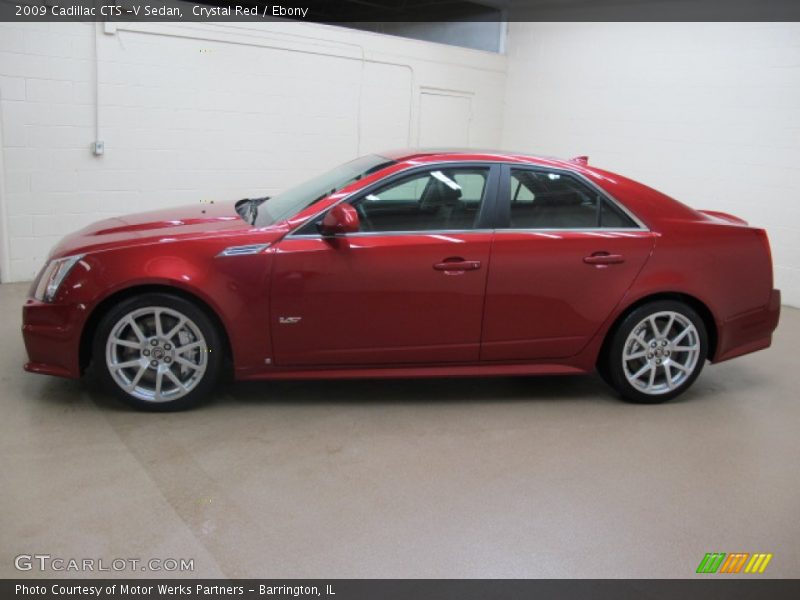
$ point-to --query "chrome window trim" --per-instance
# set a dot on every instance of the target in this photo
(572, 229)
(640, 226)
(421, 232)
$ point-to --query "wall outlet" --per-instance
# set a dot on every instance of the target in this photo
(98, 148)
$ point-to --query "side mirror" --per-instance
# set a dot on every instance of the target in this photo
(341, 219)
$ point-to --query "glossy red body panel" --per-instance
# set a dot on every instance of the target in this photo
(544, 301)
(378, 300)
(521, 302)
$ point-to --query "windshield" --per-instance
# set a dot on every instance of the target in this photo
(293, 200)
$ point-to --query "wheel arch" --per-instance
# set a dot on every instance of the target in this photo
(102, 307)
(693, 302)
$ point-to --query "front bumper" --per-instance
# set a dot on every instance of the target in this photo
(52, 334)
(750, 331)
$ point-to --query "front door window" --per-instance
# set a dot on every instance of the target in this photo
(442, 199)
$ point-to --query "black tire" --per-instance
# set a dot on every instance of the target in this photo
(611, 365)
(209, 355)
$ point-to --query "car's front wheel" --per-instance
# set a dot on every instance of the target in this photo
(158, 352)
(656, 352)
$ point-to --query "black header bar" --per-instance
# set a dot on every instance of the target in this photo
(382, 11)
(710, 588)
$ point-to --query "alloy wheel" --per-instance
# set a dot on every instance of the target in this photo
(661, 353)
(156, 354)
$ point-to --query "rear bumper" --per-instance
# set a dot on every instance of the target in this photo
(52, 334)
(750, 331)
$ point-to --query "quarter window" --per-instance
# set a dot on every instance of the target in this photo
(553, 200)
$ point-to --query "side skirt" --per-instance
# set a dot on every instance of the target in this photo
(479, 370)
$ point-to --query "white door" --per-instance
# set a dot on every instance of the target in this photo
(444, 120)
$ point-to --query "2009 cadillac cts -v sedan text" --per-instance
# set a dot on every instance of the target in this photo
(408, 264)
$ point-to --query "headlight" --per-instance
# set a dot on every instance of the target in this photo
(52, 276)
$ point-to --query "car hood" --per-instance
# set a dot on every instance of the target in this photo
(172, 224)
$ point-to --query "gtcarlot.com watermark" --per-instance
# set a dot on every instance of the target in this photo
(46, 562)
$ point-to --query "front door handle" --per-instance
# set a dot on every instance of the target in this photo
(457, 265)
(603, 258)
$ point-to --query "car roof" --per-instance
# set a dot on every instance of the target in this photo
(470, 154)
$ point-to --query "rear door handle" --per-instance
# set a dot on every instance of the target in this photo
(458, 265)
(603, 258)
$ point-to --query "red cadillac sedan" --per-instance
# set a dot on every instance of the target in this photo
(408, 264)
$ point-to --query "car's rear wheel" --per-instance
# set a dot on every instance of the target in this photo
(158, 352)
(656, 352)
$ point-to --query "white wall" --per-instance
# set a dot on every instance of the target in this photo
(198, 111)
(706, 112)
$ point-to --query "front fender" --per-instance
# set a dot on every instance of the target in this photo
(235, 289)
